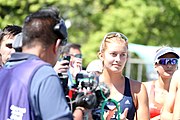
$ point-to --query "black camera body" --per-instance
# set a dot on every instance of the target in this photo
(88, 92)
(68, 58)
(64, 76)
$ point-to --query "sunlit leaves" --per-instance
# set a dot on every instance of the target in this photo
(153, 22)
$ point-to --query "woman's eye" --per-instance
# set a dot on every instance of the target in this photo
(124, 54)
(113, 54)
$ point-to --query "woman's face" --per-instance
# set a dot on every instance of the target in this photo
(115, 56)
(166, 71)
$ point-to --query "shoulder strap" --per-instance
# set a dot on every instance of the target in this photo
(127, 90)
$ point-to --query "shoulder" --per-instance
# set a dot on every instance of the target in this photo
(176, 76)
(148, 84)
(175, 81)
(45, 74)
(46, 85)
(46, 70)
(137, 87)
(138, 91)
(135, 83)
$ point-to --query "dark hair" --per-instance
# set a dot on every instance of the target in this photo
(10, 30)
(68, 46)
(39, 26)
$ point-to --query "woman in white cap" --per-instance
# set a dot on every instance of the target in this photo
(165, 63)
(95, 66)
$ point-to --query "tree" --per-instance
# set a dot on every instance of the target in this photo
(142, 21)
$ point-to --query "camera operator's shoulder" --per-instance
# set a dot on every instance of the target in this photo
(45, 71)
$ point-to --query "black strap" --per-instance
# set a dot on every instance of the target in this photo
(127, 91)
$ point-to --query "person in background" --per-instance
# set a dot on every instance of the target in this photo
(171, 108)
(6, 39)
(75, 64)
(95, 66)
(72, 51)
(165, 63)
(44, 34)
(130, 94)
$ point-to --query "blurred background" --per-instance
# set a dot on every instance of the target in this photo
(148, 24)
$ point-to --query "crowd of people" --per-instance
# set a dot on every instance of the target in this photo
(36, 80)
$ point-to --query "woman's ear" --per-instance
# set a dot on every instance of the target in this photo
(100, 55)
(155, 66)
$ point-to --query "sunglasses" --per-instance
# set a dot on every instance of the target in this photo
(115, 34)
(9, 45)
(77, 55)
(165, 61)
(111, 35)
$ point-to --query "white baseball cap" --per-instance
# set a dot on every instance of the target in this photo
(163, 51)
(95, 65)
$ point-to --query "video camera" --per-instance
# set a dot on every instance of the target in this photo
(88, 92)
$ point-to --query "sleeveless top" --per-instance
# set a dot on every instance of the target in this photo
(125, 102)
(154, 107)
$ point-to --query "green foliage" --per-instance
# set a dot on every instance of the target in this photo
(143, 21)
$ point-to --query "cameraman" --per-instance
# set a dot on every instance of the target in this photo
(43, 38)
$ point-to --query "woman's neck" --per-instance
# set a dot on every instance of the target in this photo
(163, 84)
(111, 78)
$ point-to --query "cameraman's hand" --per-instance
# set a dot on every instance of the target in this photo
(76, 66)
(61, 66)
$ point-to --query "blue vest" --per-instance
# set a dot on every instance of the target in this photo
(14, 90)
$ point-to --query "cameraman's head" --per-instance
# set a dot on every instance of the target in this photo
(44, 34)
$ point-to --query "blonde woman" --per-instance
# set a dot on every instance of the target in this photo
(130, 95)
